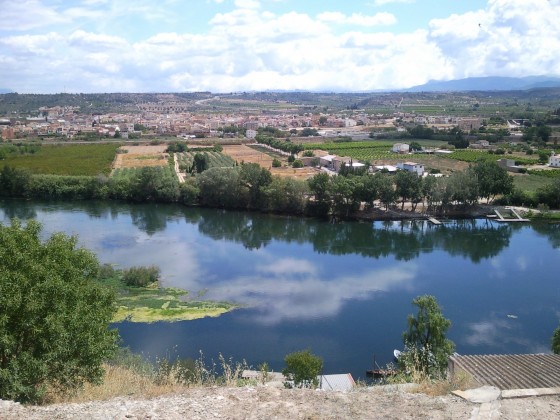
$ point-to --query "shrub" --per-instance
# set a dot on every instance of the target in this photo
(54, 316)
(428, 349)
(140, 276)
(556, 341)
(302, 368)
(106, 271)
(276, 163)
(297, 164)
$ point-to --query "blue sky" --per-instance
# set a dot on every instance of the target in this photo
(235, 45)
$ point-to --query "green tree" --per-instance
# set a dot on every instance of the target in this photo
(255, 179)
(222, 187)
(54, 316)
(319, 184)
(302, 368)
(201, 162)
(428, 349)
(492, 179)
(14, 182)
(556, 341)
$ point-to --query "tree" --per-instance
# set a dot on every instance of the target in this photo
(222, 187)
(14, 182)
(492, 179)
(302, 367)
(556, 341)
(319, 186)
(54, 316)
(201, 162)
(428, 349)
(255, 178)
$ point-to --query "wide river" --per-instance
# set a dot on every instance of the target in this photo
(343, 290)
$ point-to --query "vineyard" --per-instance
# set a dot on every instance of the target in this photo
(82, 159)
(476, 155)
(215, 159)
(361, 150)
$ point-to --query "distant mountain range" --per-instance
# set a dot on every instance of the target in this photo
(3, 90)
(488, 84)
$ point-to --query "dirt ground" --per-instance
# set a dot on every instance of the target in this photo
(140, 156)
(264, 402)
(242, 153)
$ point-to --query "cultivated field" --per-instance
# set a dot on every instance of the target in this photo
(74, 159)
(140, 156)
(242, 153)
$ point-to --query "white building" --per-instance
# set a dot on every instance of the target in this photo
(412, 167)
(554, 161)
(401, 148)
(251, 134)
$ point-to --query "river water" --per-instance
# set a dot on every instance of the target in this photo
(343, 290)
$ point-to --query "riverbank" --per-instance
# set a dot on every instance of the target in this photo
(264, 402)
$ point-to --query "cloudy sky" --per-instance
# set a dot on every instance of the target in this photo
(86, 46)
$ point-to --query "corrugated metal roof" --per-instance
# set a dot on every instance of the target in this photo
(343, 382)
(521, 371)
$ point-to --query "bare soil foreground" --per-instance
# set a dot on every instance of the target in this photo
(265, 402)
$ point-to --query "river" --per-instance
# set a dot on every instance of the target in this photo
(343, 290)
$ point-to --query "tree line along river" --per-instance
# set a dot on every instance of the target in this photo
(344, 290)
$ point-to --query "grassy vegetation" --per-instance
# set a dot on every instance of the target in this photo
(529, 183)
(154, 303)
(75, 159)
(131, 374)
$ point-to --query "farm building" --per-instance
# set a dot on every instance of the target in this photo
(400, 148)
(554, 161)
(412, 167)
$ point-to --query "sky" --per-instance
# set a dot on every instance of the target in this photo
(95, 46)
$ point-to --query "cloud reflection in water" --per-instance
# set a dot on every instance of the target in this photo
(298, 289)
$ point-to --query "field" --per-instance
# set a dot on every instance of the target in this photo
(242, 153)
(76, 159)
(215, 159)
(140, 156)
(526, 182)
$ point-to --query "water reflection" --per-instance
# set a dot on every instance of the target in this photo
(344, 289)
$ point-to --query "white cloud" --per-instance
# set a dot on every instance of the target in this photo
(384, 2)
(358, 19)
(250, 48)
(509, 37)
(247, 4)
(27, 14)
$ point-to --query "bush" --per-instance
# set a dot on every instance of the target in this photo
(140, 276)
(54, 316)
(428, 349)
(297, 164)
(106, 271)
(302, 368)
(556, 341)
(276, 163)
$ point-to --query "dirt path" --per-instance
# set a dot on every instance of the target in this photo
(264, 402)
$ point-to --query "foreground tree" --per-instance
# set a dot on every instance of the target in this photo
(302, 368)
(556, 341)
(53, 317)
(427, 348)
